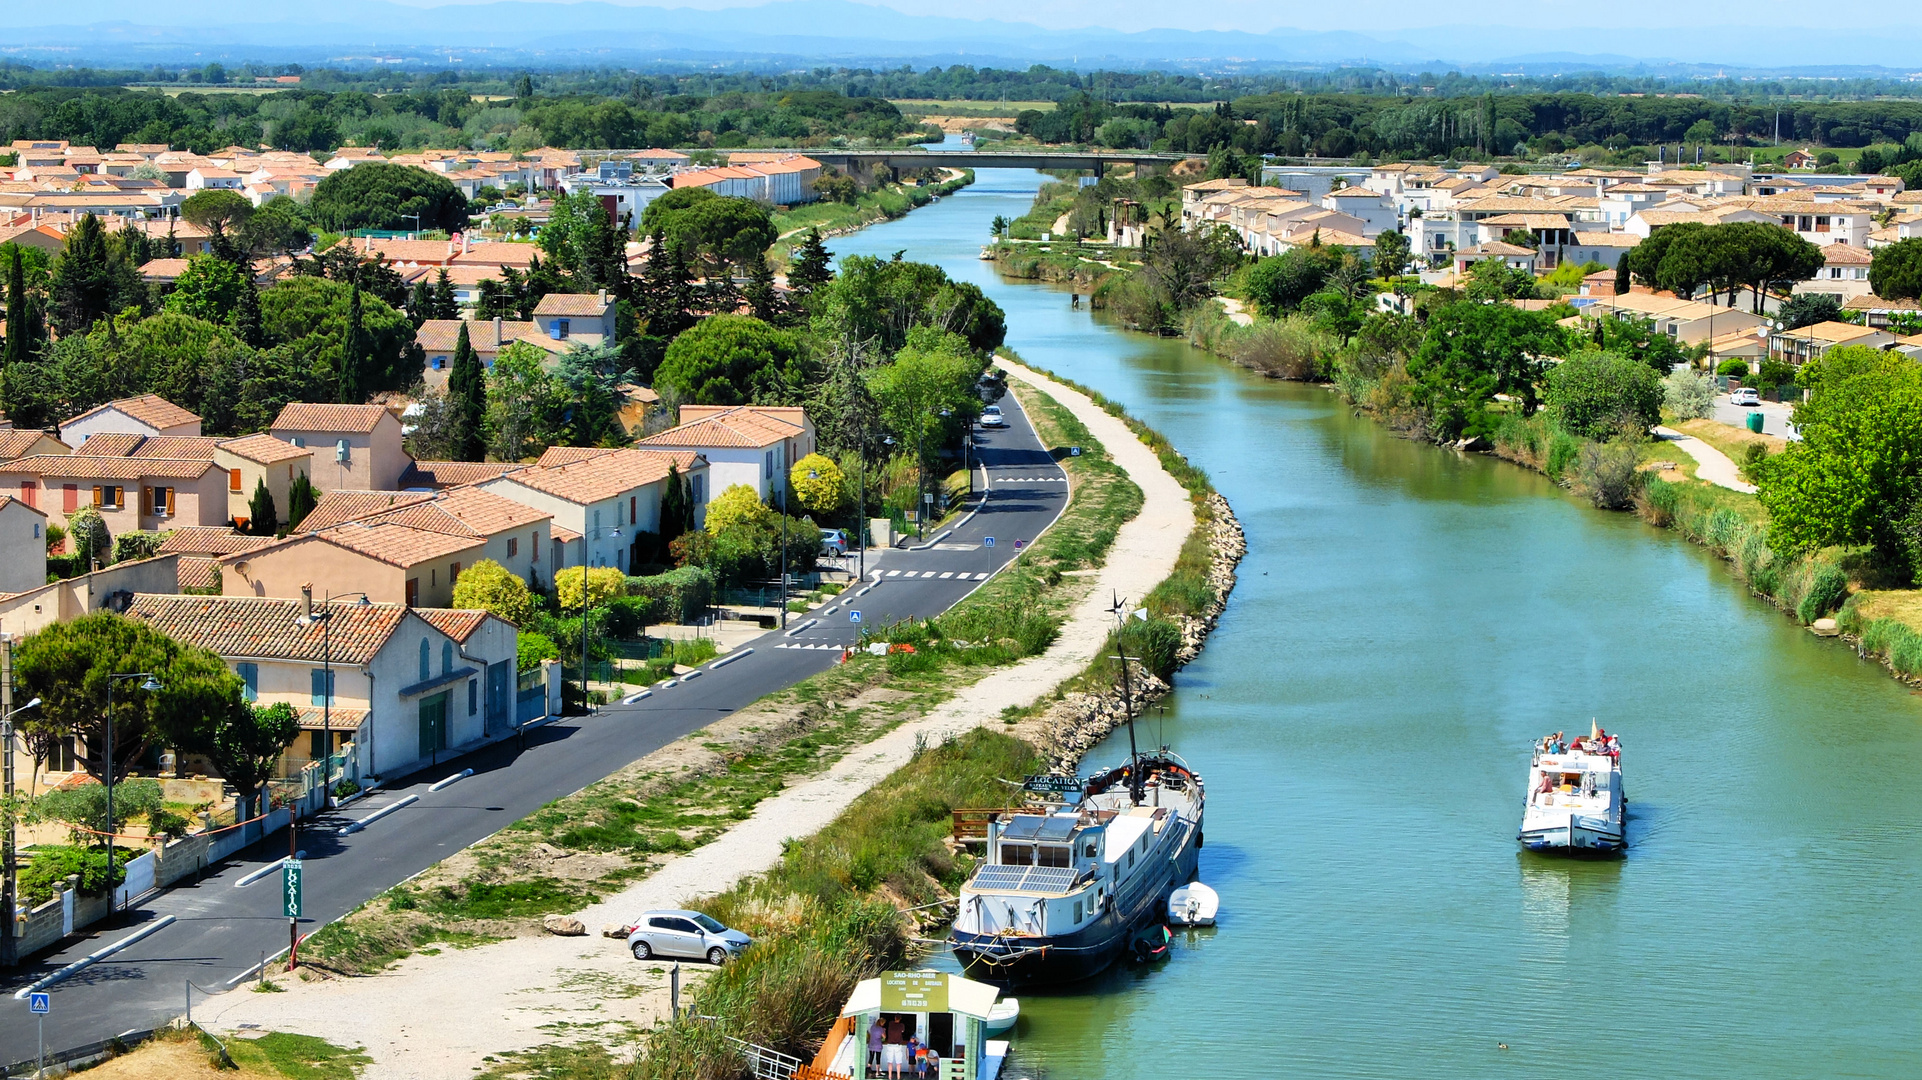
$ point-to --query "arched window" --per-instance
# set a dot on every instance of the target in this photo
(446, 657)
(424, 672)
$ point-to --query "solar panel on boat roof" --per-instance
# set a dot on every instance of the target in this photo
(1031, 879)
(1056, 827)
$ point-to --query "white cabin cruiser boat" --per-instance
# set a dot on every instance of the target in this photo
(1194, 904)
(1575, 797)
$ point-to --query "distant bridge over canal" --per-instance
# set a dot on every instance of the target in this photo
(988, 159)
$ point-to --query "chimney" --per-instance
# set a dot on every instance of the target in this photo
(603, 297)
(307, 601)
(497, 331)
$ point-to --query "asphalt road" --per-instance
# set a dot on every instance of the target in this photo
(1775, 416)
(222, 931)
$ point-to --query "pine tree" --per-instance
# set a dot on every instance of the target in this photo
(19, 337)
(446, 306)
(262, 518)
(467, 393)
(301, 500)
(348, 389)
(809, 270)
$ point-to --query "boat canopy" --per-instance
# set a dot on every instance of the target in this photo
(965, 996)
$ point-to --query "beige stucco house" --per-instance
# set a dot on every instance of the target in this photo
(356, 447)
(403, 687)
(148, 414)
(250, 461)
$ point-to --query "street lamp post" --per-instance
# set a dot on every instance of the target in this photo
(325, 618)
(590, 534)
(150, 685)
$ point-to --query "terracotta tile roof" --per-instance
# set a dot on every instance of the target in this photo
(1834, 332)
(194, 572)
(485, 335)
(14, 443)
(565, 536)
(111, 444)
(602, 477)
(335, 717)
(210, 540)
(1844, 255)
(150, 409)
(267, 628)
(498, 254)
(163, 269)
(454, 622)
(8, 500)
(310, 416)
(745, 426)
(397, 544)
(265, 449)
(108, 468)
(1606, 239)
(567, 455)
(1528, 221)
(335, 507)
(189, 447)
(467, 512)
(1496, 248)
(447, 474)
(582, 304)
(1866, 302)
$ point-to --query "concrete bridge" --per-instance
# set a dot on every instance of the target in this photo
(989, 159)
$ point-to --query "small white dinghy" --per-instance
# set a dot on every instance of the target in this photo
(1002, 1015)
(1194, 904)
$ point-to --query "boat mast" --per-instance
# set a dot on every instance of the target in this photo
(1127, 705)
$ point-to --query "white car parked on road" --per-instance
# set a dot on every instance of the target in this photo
(1744, 395)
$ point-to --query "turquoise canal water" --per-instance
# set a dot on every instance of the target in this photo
(1408, 620)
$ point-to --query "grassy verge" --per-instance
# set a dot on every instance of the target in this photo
(190, 1055)
(1063, 261)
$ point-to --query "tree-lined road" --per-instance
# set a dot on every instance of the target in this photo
(222, 931)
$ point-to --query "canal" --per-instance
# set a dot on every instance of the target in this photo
(1407, 622)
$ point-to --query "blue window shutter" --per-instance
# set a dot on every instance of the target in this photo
(425, 672)
(249, 681)
(446, 657)
(318, 695)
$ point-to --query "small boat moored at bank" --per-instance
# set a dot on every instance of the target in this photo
(1575, 796)
(1194, 904)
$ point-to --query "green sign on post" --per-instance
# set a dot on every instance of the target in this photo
(290, 888)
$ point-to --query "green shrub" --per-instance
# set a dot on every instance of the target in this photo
(682, 594)
(51, 864)
(1606, 473)
(626, 617)
(1155, 642)
(84, 806)
(1828, 587)
(535, 647)
(1563, 451)
(1734, 367)
(1600, 395)
(167, 823)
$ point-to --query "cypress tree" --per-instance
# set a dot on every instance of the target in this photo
(1621, 275)
(420, 303)
(677, 515)
(467, 397)
(247, 317)
(18, 334)
(262, 518)
(301, 499)
(348, 390)
(760, 295)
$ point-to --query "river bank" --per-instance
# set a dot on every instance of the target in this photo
(590, 987)
(884, 203)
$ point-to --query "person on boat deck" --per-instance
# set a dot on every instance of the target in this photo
(1548, 783)
(877, 1038)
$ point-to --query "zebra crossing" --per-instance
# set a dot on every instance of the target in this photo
(806, 645)
(1004, 481)
(957, 575)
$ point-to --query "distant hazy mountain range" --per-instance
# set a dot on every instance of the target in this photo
(840, 32)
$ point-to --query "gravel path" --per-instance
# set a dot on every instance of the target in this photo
(435, 1017)
(1710, 464)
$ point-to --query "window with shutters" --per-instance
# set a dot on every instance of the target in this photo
(632, 503)
(446, 657)
(453, 574)
(413, 592)
(425, 672)
(473, 696)
(69, 498)
(30, 493)
(233, 480)
(514, 547)
(109, 496)
(249, 681)
(322, 690)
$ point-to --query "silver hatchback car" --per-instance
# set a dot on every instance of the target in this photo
(687, 934)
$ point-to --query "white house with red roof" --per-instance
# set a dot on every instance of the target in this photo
(753, 445)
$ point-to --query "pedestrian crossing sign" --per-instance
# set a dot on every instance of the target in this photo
(987, 541)
(854, 616)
